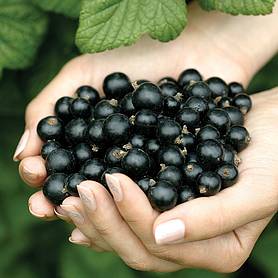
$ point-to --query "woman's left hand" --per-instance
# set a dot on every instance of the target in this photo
(216, 233)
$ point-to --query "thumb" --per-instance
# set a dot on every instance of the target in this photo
(204, 218)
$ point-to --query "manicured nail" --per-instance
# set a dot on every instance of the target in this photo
(87, 196)
(21, 145)
(169, 232)
(36, 214)
(82, 243)
(73, 214)
(115, 187)
(59, 212)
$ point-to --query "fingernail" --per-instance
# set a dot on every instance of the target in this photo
(169, 232)
(87, 196)
(36, 214)
(115, 187)
(72, 212)
(82, 243)
(21, 145)
(59, 212)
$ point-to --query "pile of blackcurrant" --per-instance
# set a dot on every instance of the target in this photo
(177, 139)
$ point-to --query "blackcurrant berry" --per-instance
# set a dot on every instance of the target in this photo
(209, 154)
(137, 141)
(163, 196)
(208, 132)
(238, 137)
(104, 108)
(243, 102)
(170, 106)
(169, 89)
(62, 108)
(191, 171)
(110, 171)
(186, 141)
(171, 155)
(172, 174)
(191, 157)
(54, 188)
(235, 115)
(235, 88)
(188, 76)
(49, 147)
(71, 183)
(116, 85)
(147, 96)
(95, 132)
(89, 93)
(166, 79)
(136, 162)
(50, 128)
(208, 183)
(113, 156)
(198, 104)
(211, 104)
(93, 169)
(218, 87)
(228, 173)
(126, 105)
(145, 122)
(185, 194)
(168, 130)
(223, 102)
(230, 155)
(76, 131)
(80, 108)
(198, 89)
(220, 119)
(82, 152)
(188, 117)
(152, 146)
(60, 161)
(146, 183)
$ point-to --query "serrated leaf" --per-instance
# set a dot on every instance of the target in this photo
(235, 7)
(69, 8)
(21, 32)
(113, 23)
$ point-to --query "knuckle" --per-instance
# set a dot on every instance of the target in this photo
(104, 230)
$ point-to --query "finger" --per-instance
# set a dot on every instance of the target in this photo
(104, 215)
(40, 207)
(32, 170)
(205, 218)
(72, 207)
(127, 195)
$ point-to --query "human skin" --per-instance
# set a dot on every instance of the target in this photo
(224, 226)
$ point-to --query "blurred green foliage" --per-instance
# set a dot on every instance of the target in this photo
(30, 248)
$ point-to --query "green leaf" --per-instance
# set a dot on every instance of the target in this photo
(69, 8)
(235, 7)
(21, 32)
(113, 23)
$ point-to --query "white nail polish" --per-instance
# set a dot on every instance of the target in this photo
(115, 187)
(21, 145)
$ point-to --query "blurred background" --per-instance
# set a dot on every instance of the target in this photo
(32, 248)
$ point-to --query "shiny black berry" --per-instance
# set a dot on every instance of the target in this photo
(171, 155)
(105, 107)
(169, 89)
(82, 153)
(208, 183)
(191, 171)
(50, 128)
(188, 76)
(185, 194)
(76, 131)
(191, 157)
(243, 102)
(171, 106)
(223, 102)
(235, 88)
(95, 132)
(145, 122)
(172, 174)
(198, 104)
(113, 156)
(168, 130)
(238, 137)
(220, 119)
(230, 155)
(71, 183)
(186, 141)
(89, 93)
(152, 146)
(60, 161)
(147, 96)
(218, 87)
(211, 104)
(93, 169)
(209, 154)
(80, 108)
(49, 147)
(116, 85)
(188, 117)
(137, 141)
(136, 162)
(54, 188)
(126, 105)
(208, 132)
(62, 108)
(146, 183)
(228, 173)
(198, 89)
(163, 196)
(167, 79)
(235, 115)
